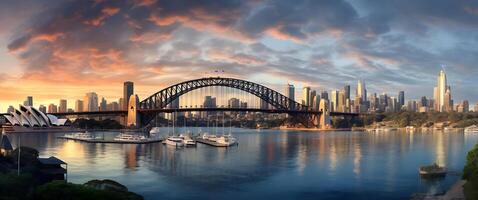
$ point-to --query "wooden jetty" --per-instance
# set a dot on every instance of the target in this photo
(112, 141)
(215, 144)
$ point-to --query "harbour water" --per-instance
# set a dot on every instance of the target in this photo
(268, 164)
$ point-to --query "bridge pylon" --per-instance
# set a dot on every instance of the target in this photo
(133, 119)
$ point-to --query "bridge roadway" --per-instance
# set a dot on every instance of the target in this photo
(224, 109)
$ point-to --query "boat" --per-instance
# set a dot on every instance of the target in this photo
(471, 129)
(188, 141)
(410, 128)
(82, 136)
(154, 131)
(227, 140)
(212, 138)
(126, 137)
(432, 171)
(174, 141)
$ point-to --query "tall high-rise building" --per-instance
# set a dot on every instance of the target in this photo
(90, 102)
(442, 94)
(103, 104)
(361, 91)
(28, 101)
(290, 93)
(79, 106)
(312, 95)
(52, 108)
(334, 100)
(63, 106)
(347, 92)
(324, 95)
(128, 90)
(401, 99)
(305, 96)
(233, 103)
(341, 101)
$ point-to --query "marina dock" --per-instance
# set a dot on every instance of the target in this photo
(112, 141)
(211, 143)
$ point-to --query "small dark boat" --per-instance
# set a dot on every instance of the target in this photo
(432, 171)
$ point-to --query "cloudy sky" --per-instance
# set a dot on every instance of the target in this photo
(54, 49)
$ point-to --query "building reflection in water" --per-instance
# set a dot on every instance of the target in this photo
(440, 148)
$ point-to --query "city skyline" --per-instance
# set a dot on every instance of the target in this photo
(40, 50)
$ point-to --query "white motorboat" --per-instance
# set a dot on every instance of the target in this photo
(471, 129)
(227, 140)
(125, 137)
(212, 138)
(154, 131)
(188, 141)
(174, 141)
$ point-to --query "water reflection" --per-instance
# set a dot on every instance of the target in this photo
(298, 163)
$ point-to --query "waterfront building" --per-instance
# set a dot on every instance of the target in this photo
(28, 116)
(442, 94)
(463, 107)
(305, 96)
(90, 102)
(347, 92)
(42, 108)
(113, 106)
(341, 101)
(63, 106)
(120, 102)
(128, 90)
(79, 106)
(52, 108)
(209, 102)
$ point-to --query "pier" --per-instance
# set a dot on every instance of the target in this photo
(149, 141)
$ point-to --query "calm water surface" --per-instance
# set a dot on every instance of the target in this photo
(269, 164)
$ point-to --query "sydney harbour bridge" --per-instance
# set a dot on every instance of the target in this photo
(141, 112)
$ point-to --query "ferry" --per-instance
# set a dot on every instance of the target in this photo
(432, 171)
(82, 136)
(174, 141)
(471, 129)
(125, 137)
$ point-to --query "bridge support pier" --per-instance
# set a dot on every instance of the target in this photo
(133, 119)
(324, 120)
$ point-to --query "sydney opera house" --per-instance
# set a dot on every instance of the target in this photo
(28, 118)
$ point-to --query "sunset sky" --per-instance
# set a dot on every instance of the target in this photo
(52, 49)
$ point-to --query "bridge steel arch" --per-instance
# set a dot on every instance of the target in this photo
(166, 96)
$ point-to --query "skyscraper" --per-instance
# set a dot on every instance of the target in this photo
(290, 93)
(312, 95)
(103, 104)
(52, 108)
(347, 92)
(442, 100)
(79, 107)
(28, 101)
(63, 106)
(91, 102)
(128, 90)
(305, 96)
(42, 108)
(401, 99)
(334, 100)
(361, 91)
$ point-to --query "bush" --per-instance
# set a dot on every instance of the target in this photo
(70, 191)
(470, 174)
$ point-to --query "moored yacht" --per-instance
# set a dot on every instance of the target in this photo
(188, 141)
(154, 131)
(125, 137)
(82, 136)
(227, 140)
(174, 141)
(471, 129)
